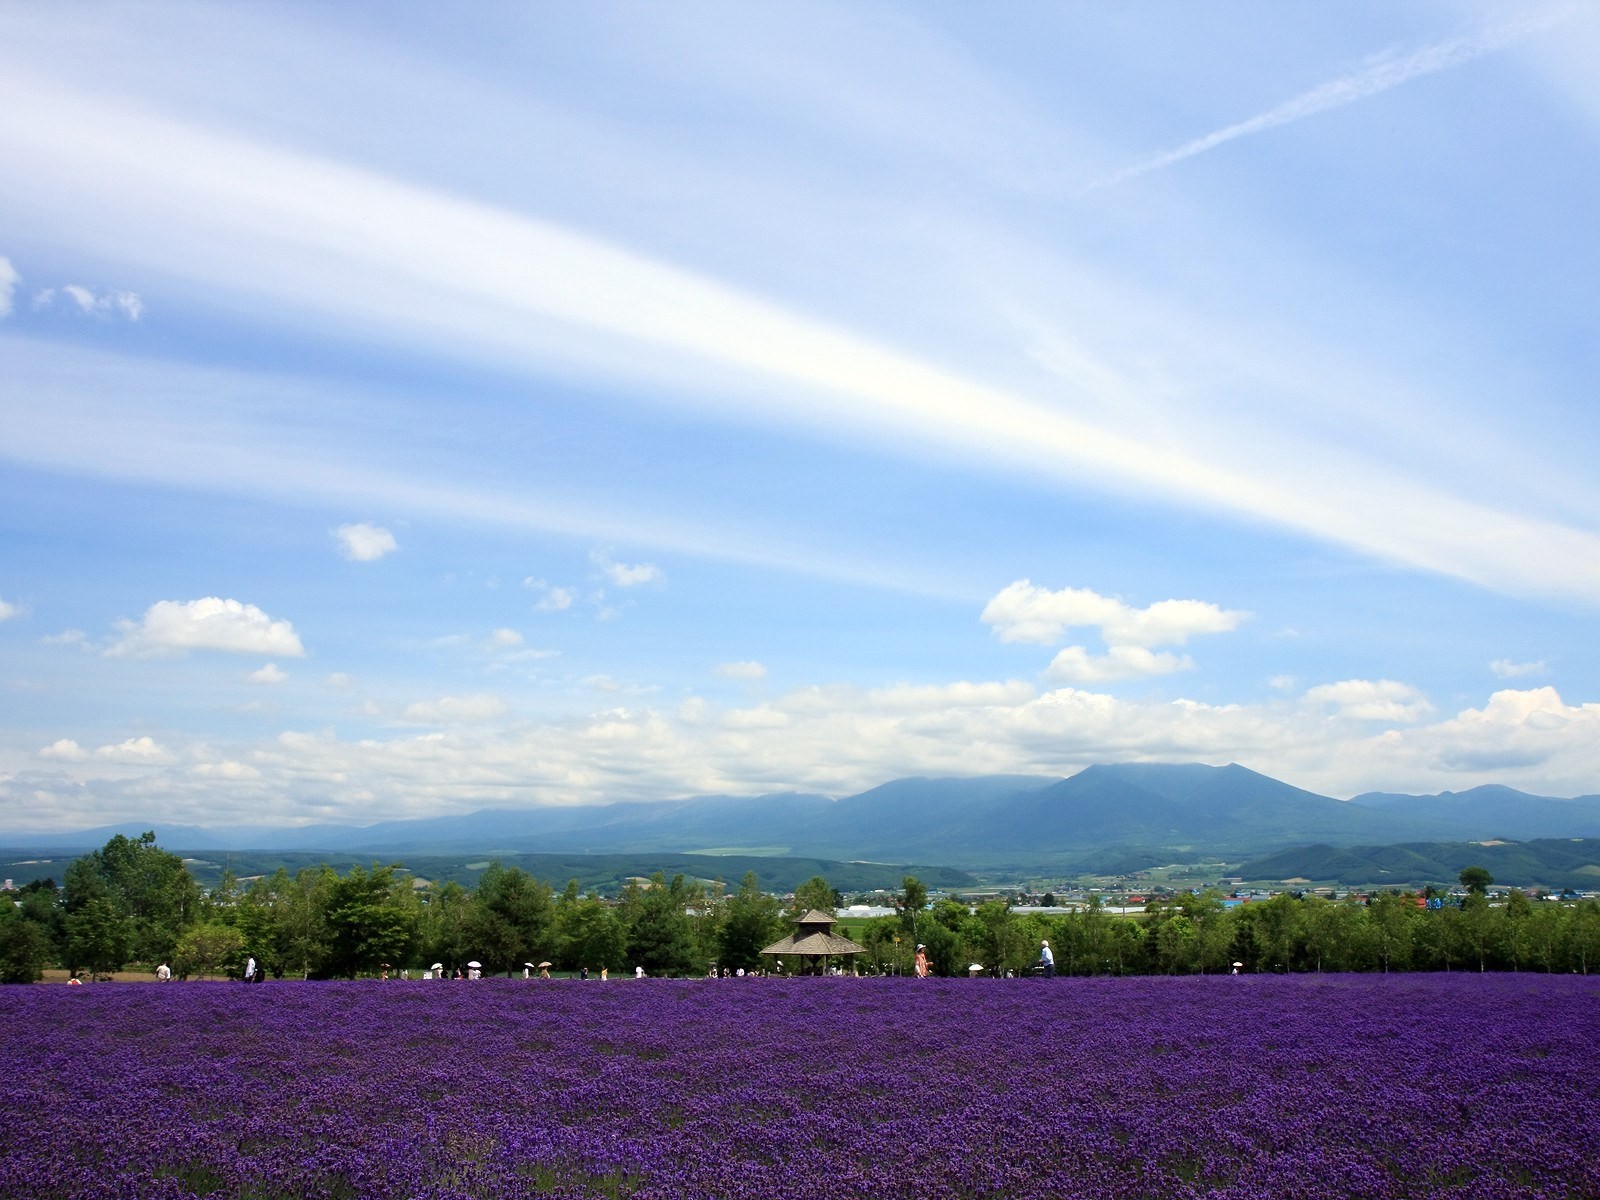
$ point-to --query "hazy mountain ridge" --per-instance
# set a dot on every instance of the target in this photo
(1552, 863)
(964, 821)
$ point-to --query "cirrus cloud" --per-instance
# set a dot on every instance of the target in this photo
(210, 623)
(8, 285)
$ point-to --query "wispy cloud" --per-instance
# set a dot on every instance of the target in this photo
(375, 258)
(1384, 72)
(8, 285)
(92, 303)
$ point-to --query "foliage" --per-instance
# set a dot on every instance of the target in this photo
(371, 921)
(660, 937)
(147, 894)
(750, 921)
(209, 949)
(25, 948)
(512, 920)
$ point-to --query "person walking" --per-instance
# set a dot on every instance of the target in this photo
(922, 961)
(1047, 960)
(250, 969)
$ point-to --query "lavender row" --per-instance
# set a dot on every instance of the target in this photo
(1358, 1086)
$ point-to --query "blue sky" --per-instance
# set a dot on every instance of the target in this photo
(410, 412)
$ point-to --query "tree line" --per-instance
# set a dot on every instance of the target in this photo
(132, 902)
(1200, 932)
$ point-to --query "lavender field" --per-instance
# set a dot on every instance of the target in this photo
(1307, 1086)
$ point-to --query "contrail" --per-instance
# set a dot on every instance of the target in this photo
(1387, 72)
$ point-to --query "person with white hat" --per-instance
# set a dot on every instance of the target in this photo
(1047, 960)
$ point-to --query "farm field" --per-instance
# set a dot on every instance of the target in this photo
(1254, 1086)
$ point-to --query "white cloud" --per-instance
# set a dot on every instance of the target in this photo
(1385, 72)
(1283, 683)
(91, 303)
(1505, 668)
(455, 710)
(623, 574)
(1372, 700)
(1075, 664)
(269, 674)
(339, 681)
(135, 752)
(8, 285)
(375, 256)
(741, 670)
(226, 769)
(840, 739)
(211, 623)
(365, 543)
(1023, 612)
(64, 750)
(9, 610)
(67, 637)
(551, 598)
(504, 639)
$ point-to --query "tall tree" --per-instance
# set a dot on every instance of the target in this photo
(751, 921)
(25, 948)
(371, 919)
(659, 937)
(149, 893)
(512, 919)
(912, 900)
(815, 893)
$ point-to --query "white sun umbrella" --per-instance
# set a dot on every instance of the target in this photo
(474, 963)
(437, 967)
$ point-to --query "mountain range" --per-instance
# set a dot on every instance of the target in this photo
(1138, 809)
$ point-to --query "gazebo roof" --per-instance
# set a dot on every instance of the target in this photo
(813, 935)
(814, 943)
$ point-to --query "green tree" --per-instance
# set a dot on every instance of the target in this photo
(884, 943)
(1476, 879)
(815, 893)
(1278, 931)
(25, 948)
(912, 900)
(999, 940)
(445, 925)
(209, 949)
(98, 937)
(659, 935)
(1541, 936)
(1582, 943)
(1389, 920)
(149, 890)
(751, 921)
(595, 936)
(945, 946)
(371, 919)
(513, 919)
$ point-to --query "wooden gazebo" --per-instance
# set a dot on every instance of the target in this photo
(814, 941)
